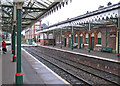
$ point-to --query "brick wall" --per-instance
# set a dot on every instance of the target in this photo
(111, 41)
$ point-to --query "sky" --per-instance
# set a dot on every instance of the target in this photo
(75, 8)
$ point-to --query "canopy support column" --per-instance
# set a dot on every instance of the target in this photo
(14, 56)
(19, 75)
(89, 29)
(106, 37)
(47, 39)
(61, 39)
(118, 33)
(14, 30)
(72, 38)
(12, 42)
(53, 38)
(43, 39)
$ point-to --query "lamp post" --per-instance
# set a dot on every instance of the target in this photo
(19, 75)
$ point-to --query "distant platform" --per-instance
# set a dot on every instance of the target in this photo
(93, 54)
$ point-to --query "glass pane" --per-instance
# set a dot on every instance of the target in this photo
(99, 40)
(86, 40)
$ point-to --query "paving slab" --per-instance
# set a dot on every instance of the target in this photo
(8, 68)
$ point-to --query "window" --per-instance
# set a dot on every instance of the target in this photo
(99, 38)
(99, 41)
(86, 38)
(76, 39)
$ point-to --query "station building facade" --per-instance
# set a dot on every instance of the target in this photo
(99, 37)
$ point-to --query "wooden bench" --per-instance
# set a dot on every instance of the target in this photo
(106, 49)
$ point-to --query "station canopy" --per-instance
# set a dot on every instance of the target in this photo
(32, 12)
(105, 16)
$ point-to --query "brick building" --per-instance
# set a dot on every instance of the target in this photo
(99, 37)
(30, 32)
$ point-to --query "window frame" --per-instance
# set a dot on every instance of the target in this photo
(86, 38)
(99, 38)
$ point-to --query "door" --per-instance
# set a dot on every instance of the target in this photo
(69, 41)
(81, 41)
(65, 42)
(92, 43)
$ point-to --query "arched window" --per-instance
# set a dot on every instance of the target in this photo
(99, 38)
(92, 35)
(86, 38)
(76, 38)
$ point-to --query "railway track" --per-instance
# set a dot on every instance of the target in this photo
(70, 77)
(94, 71)
(108, 66)
(85, 70)
(105, 66)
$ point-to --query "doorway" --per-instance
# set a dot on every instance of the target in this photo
(81, 42)
(69, 41)
(92, 43)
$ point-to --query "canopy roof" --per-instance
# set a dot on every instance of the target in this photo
(33, 11)
(106, 16)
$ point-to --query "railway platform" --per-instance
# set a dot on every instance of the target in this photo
(94, 54)
(34, 72)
